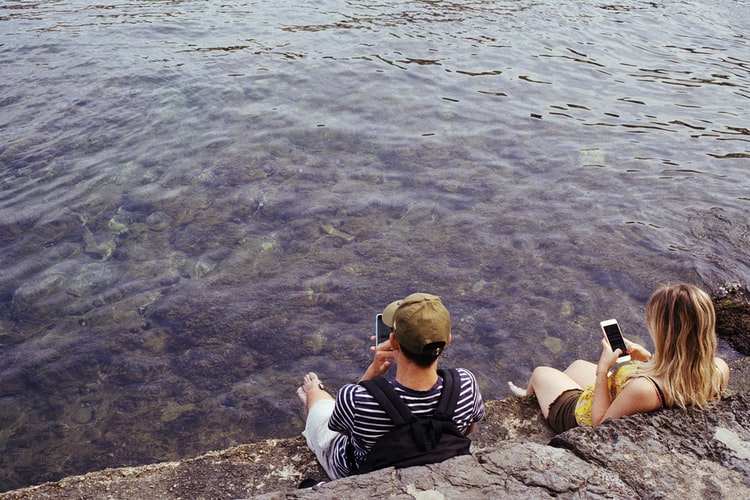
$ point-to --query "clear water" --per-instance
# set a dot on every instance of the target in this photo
(200, 201)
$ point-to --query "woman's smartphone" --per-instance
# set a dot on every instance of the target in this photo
(614, 336)
(382, 331)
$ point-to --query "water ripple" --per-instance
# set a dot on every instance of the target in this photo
(199, 201)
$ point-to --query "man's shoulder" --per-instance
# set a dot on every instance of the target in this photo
(466, 374)
(464, 370)
(353, 392)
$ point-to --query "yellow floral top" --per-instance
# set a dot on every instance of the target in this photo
(616, 382)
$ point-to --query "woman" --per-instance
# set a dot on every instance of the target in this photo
(683, 372)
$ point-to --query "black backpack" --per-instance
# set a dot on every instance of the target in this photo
(416, 440)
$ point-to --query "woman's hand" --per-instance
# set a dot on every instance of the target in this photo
(602, 401)
(602, 406)
(637, 352)
(382, 360)
(608, 358)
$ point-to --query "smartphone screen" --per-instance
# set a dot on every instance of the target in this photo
(382, 331)
(614, 336)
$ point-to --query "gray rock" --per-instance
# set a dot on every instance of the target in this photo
(512, 470)
(666, 454)
(694, 454)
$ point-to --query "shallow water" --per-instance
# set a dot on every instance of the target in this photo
(200, 201)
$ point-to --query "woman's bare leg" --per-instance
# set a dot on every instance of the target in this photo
(547, 383)
(583, 372)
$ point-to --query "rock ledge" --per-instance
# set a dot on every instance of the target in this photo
(669, 453)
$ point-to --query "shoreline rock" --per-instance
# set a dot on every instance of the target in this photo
(668, 453)
(732, 305)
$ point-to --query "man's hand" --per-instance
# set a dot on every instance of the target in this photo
(381, 362)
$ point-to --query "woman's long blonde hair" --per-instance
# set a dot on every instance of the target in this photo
(682, 322)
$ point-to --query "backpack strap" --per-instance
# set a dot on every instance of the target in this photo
(391, 403)
(389, 400)
(395, 407)
(449, 397)
(400, 414)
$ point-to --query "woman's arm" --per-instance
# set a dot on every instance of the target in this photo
(724, 370)
(601, 401)
(638, 395)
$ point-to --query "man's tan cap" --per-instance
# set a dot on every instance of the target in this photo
(421, 323)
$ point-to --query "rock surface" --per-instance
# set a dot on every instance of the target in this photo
(732, 305)
(666, 454)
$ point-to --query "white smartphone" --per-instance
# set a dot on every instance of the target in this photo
(382, 331)
(613, 334)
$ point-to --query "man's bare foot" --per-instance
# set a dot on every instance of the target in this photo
(516, 390)
(310, 381)
(302, 395)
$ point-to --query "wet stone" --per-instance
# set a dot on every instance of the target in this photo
(158, 221)
(82, 415)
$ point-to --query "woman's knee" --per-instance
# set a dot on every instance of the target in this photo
(583, 372)
(541, 374)
(579, 364)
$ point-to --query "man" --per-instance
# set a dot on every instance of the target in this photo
(421, 331)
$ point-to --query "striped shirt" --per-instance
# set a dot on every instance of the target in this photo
(359, 418)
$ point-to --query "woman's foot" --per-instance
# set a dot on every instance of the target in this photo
(517, 390)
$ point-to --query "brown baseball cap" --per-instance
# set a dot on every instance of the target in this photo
(421, 323)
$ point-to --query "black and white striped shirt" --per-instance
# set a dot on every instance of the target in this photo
(359, 417)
